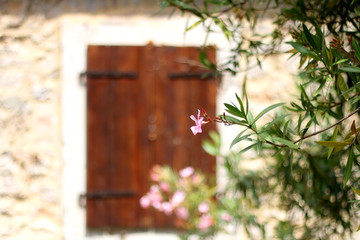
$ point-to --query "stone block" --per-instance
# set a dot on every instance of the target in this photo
(41, 93)
(15, 104)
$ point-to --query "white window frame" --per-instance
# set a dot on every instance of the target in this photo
(76, 34)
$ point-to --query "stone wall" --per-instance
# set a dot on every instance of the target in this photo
(31, 134)
(30, 159)
(30, 115)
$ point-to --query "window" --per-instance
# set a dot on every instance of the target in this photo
(139, 99)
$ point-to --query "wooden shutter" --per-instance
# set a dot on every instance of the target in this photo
(139, 100)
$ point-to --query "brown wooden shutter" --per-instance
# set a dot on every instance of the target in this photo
(139, 100)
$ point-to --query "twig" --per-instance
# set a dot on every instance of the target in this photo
(315, 133)
(331, 126)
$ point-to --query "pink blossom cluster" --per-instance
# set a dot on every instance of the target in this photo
(161, 196)
(206, 220)
(173, 193)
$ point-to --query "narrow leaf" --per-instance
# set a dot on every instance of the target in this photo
(276, 120)
(193, 25)
(233, 120)
(286, 142)
(353, 128)
(308, 36)
(241, 104)
(248, 148)
(350, 69)
(263, 112)
(303, 50)
(239, 139)
(341, 61)
(233, 110)
(250, 118)
(356, 49)
(333, 143)
(342, 86)
(333, 138)
(357, 191)
(348, 166)
(209, 148)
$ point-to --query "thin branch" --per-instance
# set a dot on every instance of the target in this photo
(331, 126)
(315, 133)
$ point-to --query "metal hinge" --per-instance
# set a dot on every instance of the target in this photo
(110, 75)
(104, 195)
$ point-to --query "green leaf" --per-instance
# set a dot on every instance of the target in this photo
(333, 138)
(300, 119)
(342, 86)
(348, 166)
(341, 61)
(325, 56)
(193, 25)
(303, 50)
(234, 110)
(238, 136)
(276, 120)
(248, 148)
(333, 143)
(210, 148)
(238, 139)
(215, 137)
(353, 128)
(286, 142)
(308, 36)
(356, 49)
(241, 104)
(266, 110)
(227, 33)
(234, 120)
(203, 58)
(357, 191)
(350, 69)
(250, 118)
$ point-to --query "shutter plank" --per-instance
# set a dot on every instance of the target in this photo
(96, 141)
(112, 157)
(125, 134)
(145, 151)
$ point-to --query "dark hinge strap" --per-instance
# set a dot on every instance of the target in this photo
(104, 195)
(108, 75)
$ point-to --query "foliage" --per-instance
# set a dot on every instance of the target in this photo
(314, 138)
(198, 205)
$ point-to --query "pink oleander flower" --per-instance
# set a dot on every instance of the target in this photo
(203, 207)
(167, 208)
(154, 195)
(199, 121)
(154, 173)
(145, 201)
(182, 213)
(177, 198)
(206, 221)
(157, 205)
(186, 172)
(164, 186)
(226, 217)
